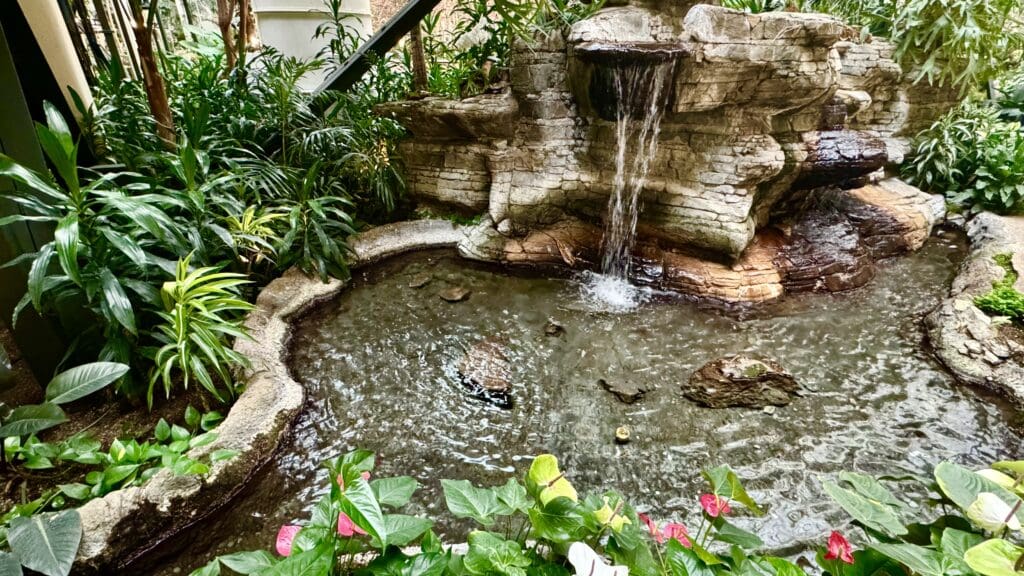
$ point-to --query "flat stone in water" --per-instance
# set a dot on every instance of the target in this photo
(420, 281)
(741, 381)
(455, 294)
(627, 392)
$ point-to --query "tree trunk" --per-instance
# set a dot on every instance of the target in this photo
(225, 14)
(108, 32)
(243, 29)
(155, 92)
(419, 60)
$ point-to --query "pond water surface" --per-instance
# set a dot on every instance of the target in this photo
(380, 365)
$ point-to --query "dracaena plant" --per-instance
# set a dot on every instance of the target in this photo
(201, 317)
(112, 237)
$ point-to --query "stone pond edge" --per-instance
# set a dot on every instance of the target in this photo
(968, 342)
(125, 524)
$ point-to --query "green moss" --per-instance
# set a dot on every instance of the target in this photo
(1003, 299)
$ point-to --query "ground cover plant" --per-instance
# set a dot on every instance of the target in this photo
(970, 525)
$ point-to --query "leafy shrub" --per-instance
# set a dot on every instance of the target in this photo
(201, 316)
(1003, 299)
(959, 43)
(972, 157)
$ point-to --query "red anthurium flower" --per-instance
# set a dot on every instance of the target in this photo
(839, 548)
(714, 505)
(346, 527)
(678, 533)
(285, 536)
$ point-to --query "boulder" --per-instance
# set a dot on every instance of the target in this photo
(741, 381)
(486, 371)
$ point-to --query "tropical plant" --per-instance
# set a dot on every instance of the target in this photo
(755, 6)
(972, 157)
(47, 542)
(1003, 299)
(202, 314)
(68, 386)
(978, 532)
(539, 526)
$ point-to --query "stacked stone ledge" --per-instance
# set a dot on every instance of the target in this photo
(764, 108)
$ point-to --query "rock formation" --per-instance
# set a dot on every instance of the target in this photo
(766, 112)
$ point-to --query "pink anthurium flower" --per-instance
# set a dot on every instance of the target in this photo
(714, 505)
(839, 548)
(651, 527)
(679, 533)
(672, 531)
(285, 537)
(347, 528)
(341, 480)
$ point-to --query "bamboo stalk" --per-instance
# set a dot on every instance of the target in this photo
(109, 36)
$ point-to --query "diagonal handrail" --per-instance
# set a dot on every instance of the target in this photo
(352, 69)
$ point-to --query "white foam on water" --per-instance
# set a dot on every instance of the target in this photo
(612, 294)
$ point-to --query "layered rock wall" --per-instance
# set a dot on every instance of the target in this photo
(760, 105)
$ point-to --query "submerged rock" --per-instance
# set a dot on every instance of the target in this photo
(420, 281)
(554, 329)
(741, 381)
(454, 294)
(626, 392)
(486, 371)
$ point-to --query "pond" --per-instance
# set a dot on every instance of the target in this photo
(381, 367)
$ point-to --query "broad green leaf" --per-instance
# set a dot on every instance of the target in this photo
(361, 506)
(83, 380)
(491, 554)
(66, 239)
(46, 543)
(870, 513)
(870, 488)
(550, 480)
(467, 501)
(9, 565)
(162, 432)
(37, 275)
(995, 557)
(923, 561)
(783, 567)
(1015, 467)
(962, 486)
(955, 544)
(403, 530)
(76, 491)
(513, 497)
(248, 562)
(31, 419)
(684, 562)
(558, 521)
(117, 302)
(731, 534)
(211, 569)
(725, 484)
(394, 492)
(315, 562)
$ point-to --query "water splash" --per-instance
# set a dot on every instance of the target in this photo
(641, 91)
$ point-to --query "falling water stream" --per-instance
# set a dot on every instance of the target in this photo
(641, 92)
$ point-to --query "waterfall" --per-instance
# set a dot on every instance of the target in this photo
(641, 91)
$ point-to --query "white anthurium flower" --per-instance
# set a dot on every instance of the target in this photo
(989, 512)
(997, 477)
(590, 563)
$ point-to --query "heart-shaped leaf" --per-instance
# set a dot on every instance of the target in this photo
(46, 543)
